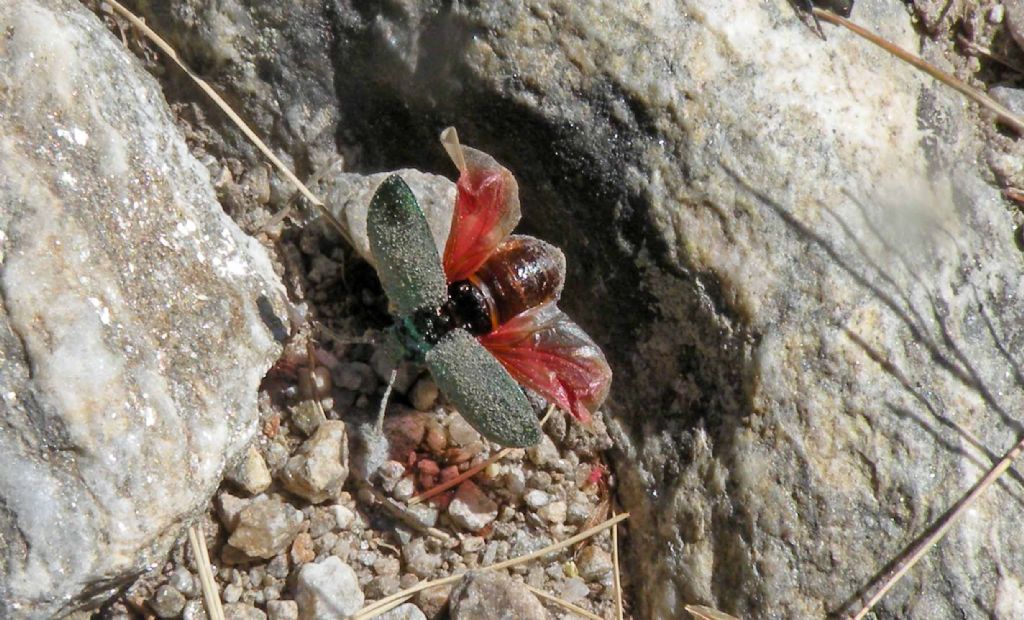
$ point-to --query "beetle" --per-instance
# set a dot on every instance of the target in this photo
(485, 318)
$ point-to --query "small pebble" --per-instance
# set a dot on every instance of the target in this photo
(242, 611)
(490, 594)
(553, 512)
(167, 602)
(266, 526)
(996, 14)
(343, 515)
(232, 593)
(461, 433)
(472, 544)
(386, 565)
(433, 602)
(381, 586)
(515, 480)
(282, 610)
(406, 611)
(390, 473)
(573, 590)
(307, 417)
(435, 438)
(327, 589)
(471, 509)
(278, 567)
(320, 468)
(537, 499)
(321, 522)
(194, 610)
(424, 394)
(251, 473)
(228, 509)
(404, 429)
(302, 549)
(183, 581)
(594, 563)
(543, 453)
(405, 489)
(419, 560)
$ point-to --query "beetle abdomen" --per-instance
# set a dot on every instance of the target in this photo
(523, 272)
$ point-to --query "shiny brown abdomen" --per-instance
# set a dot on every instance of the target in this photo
(523, 272)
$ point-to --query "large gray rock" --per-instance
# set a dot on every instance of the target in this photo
(808, 292)
(136, 320)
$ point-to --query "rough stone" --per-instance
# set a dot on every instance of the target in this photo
(553, 512)
(491, 594)
(194, 610)
(327, 589)
(320, 468)
(136, 319)
(167, 602)
(251, 473)
(243, 611)
(471, 509)
(594, 563)
(282, 610)
(406, 611)
(424, 394)
(266, 526)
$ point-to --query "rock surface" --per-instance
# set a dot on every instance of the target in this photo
(490, 594)
(328, 589)
(807, 290)
(136, 320)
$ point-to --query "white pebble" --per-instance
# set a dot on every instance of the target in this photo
(327, 589)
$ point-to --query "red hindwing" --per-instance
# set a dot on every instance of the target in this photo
(486, 211)
(545, 351)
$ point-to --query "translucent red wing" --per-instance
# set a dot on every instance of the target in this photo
(486, 209)
(545, 351)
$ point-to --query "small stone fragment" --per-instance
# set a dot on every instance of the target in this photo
(424, 394)
(490, 594)
(251, 473)
(282, 610)
(228, 509)
(319, 470)
(573, 590)
(302, 549)
(343, 515)
(407, 611)
(390, 473)
(327, 589)
(381, 586)
(242, 611)
(232, 593)
(194, 610)
(471, 509)
(461, 433)
(404, 489)
(419, 560)
(183, 581)
(404, 429)
(265, 527)
(433, 602)
(536, 499)
(594, 563)
(356, 376)
(307, 417)
(553, 512)
(167, 602)
(515, 480)
(436, 438)
(543, 453)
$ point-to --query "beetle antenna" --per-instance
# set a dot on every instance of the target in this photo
(450, 140)
(384, 400)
